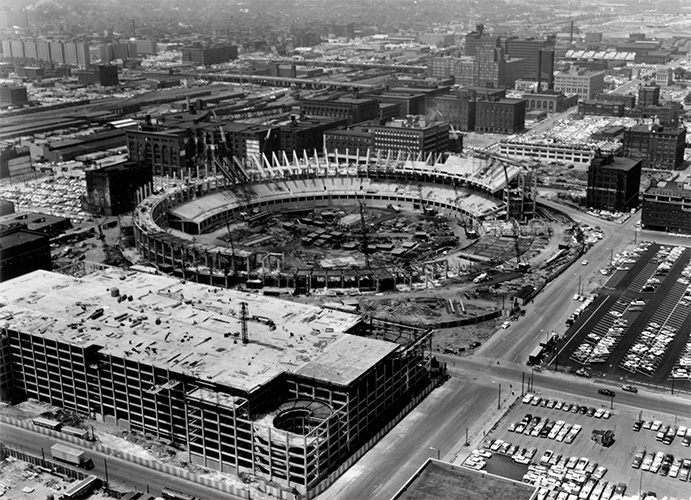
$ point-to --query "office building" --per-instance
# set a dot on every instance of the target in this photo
(613, 183)
(586, 84)
(352, 142)
(242, 141)
(412, 135)
(589, 107)
(628, 100)
(493, 69)
(500, 116)
(667, 205)
(657, 147)
(664, 77)
(21, 252)
(206, 56)
(354, 110)
(276, 389)
(111, 190)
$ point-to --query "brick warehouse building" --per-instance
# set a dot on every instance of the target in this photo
(667, 205)
(613, 183)
(287, 394)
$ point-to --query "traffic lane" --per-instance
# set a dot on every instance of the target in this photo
(439, 421)
(121, 473)
(518, 375)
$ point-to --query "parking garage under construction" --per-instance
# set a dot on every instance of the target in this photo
(246, 383)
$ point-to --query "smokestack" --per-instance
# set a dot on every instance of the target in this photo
(539, 70)
(571, 34)
(134, 29)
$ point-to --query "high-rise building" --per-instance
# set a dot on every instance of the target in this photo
(479, 38)
(76, 53)
(613, 183)
(103, 75)
(493, 69)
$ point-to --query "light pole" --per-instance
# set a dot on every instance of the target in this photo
(611, 401)
(437, 450)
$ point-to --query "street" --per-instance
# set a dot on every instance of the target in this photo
(122, 475)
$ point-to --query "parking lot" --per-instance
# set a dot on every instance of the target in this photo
(584, 468)
(638, 327)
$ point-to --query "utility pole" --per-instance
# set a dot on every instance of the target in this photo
(499, 398)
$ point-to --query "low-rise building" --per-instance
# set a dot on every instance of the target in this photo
(667, 205)
(501, 116)
(587, 84)
(22, 251)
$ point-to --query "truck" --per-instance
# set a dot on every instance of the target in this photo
(71, 456)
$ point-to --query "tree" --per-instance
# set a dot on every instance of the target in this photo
(687, 99)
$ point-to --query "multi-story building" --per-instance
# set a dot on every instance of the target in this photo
(37, 222)
(493, 69)
(667, 205)
(205, 56)
(287, 397)
(350, 142)
(668, 114)
(595, 107)
(111, 189)
(21, 252)
(664, 77)
(550, 101)
(355, 110)
(457, 109)
(442, 67)
(242, 141)
(103, 75)
(648, 95)
(500, 116)
(613, 183)
(628, 100)
(657, 147)
(168, 151)
(76, 53)
(303, 133)
(412, 136)
(538, 55)
(13, 94)
(479, 38)
(575, 152)
(586, 84)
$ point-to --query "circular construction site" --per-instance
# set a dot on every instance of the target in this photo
(348, 230)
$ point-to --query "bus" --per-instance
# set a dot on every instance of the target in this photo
(47, 423)
(75, 431)
(172, 494)
(80, 488)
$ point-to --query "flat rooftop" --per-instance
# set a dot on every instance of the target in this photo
(196, 330)
(444, 481)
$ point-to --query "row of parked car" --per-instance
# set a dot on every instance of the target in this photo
(571, 478)
(546, 428)
(665, 433)
(663, 463)
(553, 404)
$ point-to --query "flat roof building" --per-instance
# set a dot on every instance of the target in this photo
(21, 252)
(586, 84)
(667, 205)
(111, 190)
(613, 183)
(247, 383)
(658, 147)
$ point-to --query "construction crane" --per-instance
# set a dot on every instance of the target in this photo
(517, 232)
(363, 234)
